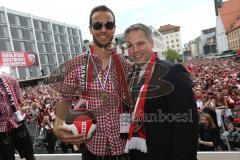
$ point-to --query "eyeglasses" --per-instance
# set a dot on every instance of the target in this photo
(99, 25)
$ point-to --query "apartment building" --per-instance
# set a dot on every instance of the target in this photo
(171, 37)
(53, 42)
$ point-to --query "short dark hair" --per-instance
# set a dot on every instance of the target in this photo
(139, 26)
(99, 9)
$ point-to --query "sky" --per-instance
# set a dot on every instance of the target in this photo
(191, 15)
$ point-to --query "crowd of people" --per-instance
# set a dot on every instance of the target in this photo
(38, 105)
(217, 92)
(38, 108)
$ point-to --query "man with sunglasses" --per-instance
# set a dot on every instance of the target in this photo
(99, 78)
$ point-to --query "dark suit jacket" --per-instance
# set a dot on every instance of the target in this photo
(171, 119)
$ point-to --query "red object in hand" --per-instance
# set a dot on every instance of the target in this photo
(81, 121)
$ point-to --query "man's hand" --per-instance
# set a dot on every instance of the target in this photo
(65, 135)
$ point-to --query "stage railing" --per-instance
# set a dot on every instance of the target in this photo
(201, 156)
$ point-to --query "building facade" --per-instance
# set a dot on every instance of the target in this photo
(53, 42)
(234, 38)
(171, 37)
(208, 41)
(221, 37)
(228, 21)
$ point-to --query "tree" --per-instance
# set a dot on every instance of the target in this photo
(172, 55)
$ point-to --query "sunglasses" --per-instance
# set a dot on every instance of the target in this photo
(99, 25)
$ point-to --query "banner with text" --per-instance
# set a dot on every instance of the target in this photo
(18, 59)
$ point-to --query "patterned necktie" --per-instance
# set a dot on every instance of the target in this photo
(134, 84)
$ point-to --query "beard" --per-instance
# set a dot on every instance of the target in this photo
(99, 44)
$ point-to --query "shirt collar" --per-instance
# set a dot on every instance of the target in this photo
(143, 66)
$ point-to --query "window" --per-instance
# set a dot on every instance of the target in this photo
(24, 21)
(47, 37)
(65, 48)
(55, 28)
(49, 48)
(14, 33)
(63, 39)
(44, 58)
(46, 69)
(66, 57)
(39, 36)
(177, 45)
(173, 46)
(40, 25)
(52, 68)
(17, 46)
(75, 39)
(22, 72)
(3, 31)
(172, 41)
(45, 26)
(57, 38)
(71, 40)
(61, 30)
(2, 18)
(34, 71)
(77, 49)
(18, 21)
(72, 49)
(42, 47)
(59, 48)
(20, 33)
(5, 45)
(167, 42)
(75, 32)
(37, 24)
(27, 34)
(166, 37)
(29, 46)
(11, 19)
(60, 58)
(177, 40)
(52, 59)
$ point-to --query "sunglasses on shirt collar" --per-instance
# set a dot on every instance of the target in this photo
(99, 25)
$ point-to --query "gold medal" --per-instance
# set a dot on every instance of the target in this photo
(104, 96)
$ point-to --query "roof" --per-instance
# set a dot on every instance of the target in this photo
(229, 13)
(209, 30)
(236, 24)
(167, 27)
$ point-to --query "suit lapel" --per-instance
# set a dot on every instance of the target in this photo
(158, 86)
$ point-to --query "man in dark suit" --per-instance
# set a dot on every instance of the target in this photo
(165, 121)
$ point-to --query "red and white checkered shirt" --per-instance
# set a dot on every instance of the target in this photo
(106, 140)
(7, 120)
